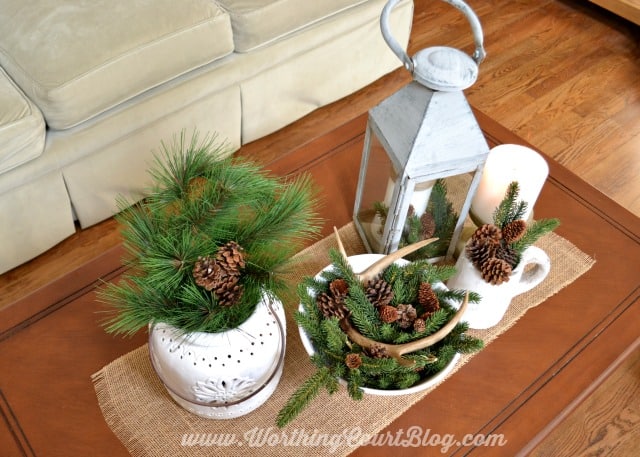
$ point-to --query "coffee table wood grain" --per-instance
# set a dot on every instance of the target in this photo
(521, 386)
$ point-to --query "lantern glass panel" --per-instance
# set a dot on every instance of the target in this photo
(432, 208)
(442, 217)
(376, 194)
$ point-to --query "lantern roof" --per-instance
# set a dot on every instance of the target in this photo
(429, 134)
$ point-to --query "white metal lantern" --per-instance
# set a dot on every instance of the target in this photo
(421, 134)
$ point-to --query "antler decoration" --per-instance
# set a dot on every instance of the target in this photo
(376, 268)
(396, 351)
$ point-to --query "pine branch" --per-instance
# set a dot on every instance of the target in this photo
(389, 333)
(363, 314)
(467, 344)
(311, 326)
(406, 380)
(341, 268)
(535, 231)
(442, 210)
(201, 200)
(509, 209)
(354, 381)
(335, 338)
(378, 367)
(382, 210)
(457, 295)
(304, 395)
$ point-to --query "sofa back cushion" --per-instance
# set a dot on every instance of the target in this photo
(259, 22)
(78, 58)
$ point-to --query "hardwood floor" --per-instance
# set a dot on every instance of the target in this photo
(565, 76)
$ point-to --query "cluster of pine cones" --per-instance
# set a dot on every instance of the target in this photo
(404, 315)
(491, 252)
(221, 274)
(380, 295)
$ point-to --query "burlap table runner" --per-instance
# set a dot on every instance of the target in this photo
(149, 423)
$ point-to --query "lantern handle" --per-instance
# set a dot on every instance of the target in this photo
(415, 65)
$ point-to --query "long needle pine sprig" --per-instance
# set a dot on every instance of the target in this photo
(201, 199)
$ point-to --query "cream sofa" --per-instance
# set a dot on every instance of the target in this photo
(89, 89)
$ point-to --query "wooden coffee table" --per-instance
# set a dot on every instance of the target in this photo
(521, 386)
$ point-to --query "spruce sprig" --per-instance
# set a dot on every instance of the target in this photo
(444, 217)
(509, 209)
(534, 231)
(332, 346)
(305, 394)
(443, 214)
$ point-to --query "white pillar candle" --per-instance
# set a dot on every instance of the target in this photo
(507, 163)
(388, 195)
(419, 198)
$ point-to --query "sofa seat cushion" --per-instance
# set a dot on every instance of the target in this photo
(260, 22)
(22, 129)
(76, 59)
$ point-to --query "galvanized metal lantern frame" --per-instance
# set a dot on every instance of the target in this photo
(427, 131)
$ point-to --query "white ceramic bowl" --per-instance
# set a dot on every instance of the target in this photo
(360, 263)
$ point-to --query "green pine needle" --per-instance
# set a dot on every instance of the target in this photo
(331, 344)
(509, 208)
(200, 200)
(304, 395)
(535, 231)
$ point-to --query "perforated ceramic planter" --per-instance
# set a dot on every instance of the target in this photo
(222, 375)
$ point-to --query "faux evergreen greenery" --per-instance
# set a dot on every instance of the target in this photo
(201, 202)
(337, 357)
(511, 210)
(496, 249)
(440, 217)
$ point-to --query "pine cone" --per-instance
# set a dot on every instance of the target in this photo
(222, 274)
(419, 325)
(331, 306)
(377, 351)
(514, 231)
(230, 258)
(496, 271)
(339, 288)
(379, 292)
(229, 293)
(428, 224)
(480, 251)
(353, 360)
(204, 272)
(388, 313)
(507, 254)
(406, 315)
(489, 232)
(428, 298)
